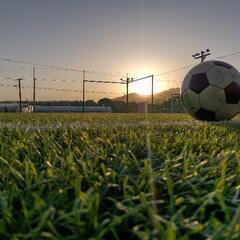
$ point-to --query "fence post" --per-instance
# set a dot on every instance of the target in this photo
(34, 89)
(152, 93)
(20, 94)
(83, 93)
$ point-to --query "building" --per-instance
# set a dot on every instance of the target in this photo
(14, 107)
(142, 107)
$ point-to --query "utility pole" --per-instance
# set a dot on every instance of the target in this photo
(83, 93)
(34, 89)
(202, 55)
(20, 94)
(152, 93)
(127, 83)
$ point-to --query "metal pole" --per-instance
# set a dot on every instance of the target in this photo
(20, 94)
(34, 89)
(202, 56)
(152, 93)
(83, 93)
(127, 95)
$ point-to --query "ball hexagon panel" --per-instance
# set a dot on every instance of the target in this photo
(232, 93)
(205, 115)
(198, 82)
(227, 112)
(203, 67)
(219, 76)
(185, 82)
(222, 64)
(236, 75)
(212, 98)
(191, 101)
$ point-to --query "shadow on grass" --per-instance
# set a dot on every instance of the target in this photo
(233, 124)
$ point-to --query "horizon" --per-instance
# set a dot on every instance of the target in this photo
(80, 100)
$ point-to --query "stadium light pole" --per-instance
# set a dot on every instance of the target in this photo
(202, 55)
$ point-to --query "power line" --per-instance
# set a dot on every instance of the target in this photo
(92, 81)
(55, 80)
(41, 79)
(111, 74)
(118, 74)
(7, 85)
(45, 66)
(192, 64)
(8, 60)
(175, 70)
(51, 89)
(59, 68)
(168, 80)
(11, 66)
(229, 55)
(7, 78)
(58, 89)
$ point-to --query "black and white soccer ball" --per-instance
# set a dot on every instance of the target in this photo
(211, 91)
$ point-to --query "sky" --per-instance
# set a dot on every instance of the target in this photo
(138, 37)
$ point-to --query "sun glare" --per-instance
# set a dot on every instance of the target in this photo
(144, 87)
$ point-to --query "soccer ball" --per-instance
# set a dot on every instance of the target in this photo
(211, 91)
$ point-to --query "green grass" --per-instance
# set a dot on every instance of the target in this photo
(118, 176)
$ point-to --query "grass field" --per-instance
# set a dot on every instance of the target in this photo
(118, 176)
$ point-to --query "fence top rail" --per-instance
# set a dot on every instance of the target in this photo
(101, 81)
(138, 79)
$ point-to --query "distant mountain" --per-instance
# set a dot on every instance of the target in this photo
(158, 97)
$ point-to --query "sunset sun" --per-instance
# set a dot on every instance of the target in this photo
(144, 87)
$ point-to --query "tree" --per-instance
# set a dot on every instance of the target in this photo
(90, 103)
(106, 102)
